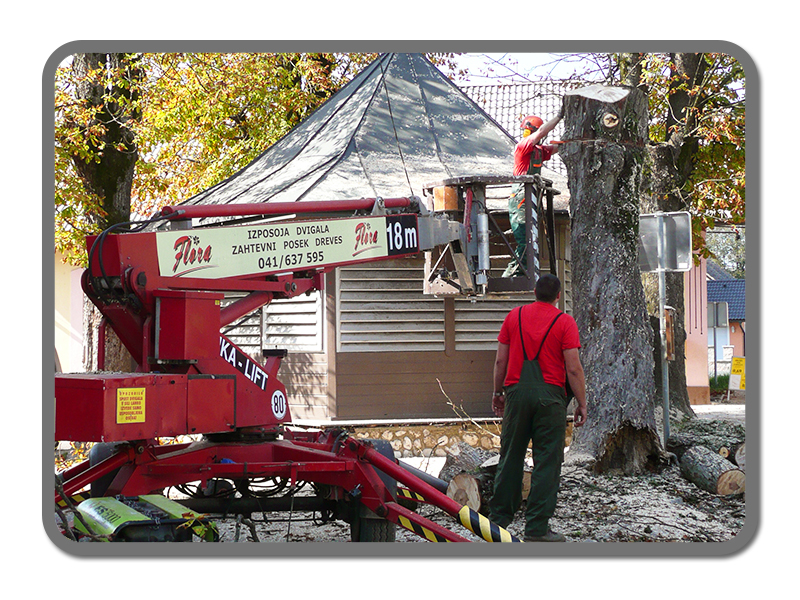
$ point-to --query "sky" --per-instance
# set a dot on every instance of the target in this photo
(491, 68)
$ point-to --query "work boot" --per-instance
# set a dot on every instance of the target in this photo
(550, 536)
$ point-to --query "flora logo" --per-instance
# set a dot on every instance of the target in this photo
(190, 255)
(366, 238)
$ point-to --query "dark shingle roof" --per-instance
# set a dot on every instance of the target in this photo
(731, 291)
(395, 127)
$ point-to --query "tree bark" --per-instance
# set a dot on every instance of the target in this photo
(739, 457)
(671, 164)
(467, 459)
(604, 152)
(107, 85)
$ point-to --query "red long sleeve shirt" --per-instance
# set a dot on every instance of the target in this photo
(528, 157)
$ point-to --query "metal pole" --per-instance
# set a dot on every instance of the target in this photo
(662, 300)
(716, 314)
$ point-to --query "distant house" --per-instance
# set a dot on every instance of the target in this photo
(68, 316)
(727, 313)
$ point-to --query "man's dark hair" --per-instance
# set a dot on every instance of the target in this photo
(547, 288)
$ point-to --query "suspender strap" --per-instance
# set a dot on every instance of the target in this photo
(522, 341)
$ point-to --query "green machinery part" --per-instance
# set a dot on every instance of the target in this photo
(149, 518)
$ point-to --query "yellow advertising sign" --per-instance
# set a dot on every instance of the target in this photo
(130, 405)
(736, 381)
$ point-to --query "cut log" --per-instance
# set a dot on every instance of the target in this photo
(730, 451)
(712, 473)
(465, 489)
(476, 489)
(738, 456)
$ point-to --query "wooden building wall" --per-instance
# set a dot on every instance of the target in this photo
(395, 353)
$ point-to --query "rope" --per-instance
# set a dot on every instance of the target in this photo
(394, 129)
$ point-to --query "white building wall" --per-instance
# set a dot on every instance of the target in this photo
(68, 316)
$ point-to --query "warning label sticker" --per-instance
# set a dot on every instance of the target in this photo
(130, 405)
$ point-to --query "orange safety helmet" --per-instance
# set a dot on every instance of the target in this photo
(531, 123)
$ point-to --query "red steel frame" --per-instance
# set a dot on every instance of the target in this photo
(210, 375)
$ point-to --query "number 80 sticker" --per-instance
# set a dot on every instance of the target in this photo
(279, 404)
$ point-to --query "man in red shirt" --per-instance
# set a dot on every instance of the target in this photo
(537, 350)
(529, 155)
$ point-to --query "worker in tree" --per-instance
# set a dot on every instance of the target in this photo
(537, 351)
(529, 155)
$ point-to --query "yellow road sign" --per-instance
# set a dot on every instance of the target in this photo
(736, 381)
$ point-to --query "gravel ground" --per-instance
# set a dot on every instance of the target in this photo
(662, 507)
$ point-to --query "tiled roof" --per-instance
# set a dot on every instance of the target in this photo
(731, 291)
(508, 104)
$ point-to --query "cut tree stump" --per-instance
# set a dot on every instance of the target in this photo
(463, 459)
(711, 472)
(604, 149)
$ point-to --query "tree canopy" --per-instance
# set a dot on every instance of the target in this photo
(710, 120)
(697, 107)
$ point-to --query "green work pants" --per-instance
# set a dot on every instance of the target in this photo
(516, 216)
(536, 412)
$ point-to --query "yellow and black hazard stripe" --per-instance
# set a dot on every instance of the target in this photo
(429, 535)
(404, 493)
(480, 525)
(76, 499)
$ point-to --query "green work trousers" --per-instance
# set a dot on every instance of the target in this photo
(516, 216)
(535, 412)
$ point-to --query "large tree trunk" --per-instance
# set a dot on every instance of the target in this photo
(604, 151)
(107, 85)
(671, 165)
